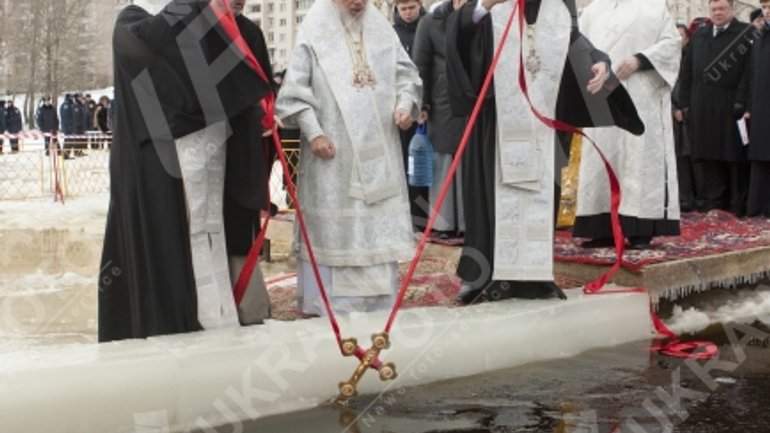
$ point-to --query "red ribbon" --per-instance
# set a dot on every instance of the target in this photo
(227, 20)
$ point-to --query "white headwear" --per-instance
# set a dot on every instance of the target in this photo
(151, 6)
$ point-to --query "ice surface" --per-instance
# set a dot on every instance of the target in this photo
(216, 377)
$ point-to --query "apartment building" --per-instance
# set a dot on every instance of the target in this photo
(279, 20)
(684, 11)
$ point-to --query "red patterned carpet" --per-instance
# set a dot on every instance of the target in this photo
(702, 235)
(434, 284)
(438, 289)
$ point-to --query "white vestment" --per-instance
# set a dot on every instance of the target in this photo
(525, 176)
(202, 156)
(355, 204)
(645, 165)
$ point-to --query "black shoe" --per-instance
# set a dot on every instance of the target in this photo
(497, 291)
(471, 297)
(599, 243)
(686, 207)
(640, 242)
(500, 290)
(443, 235)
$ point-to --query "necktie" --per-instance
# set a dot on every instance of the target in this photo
(719, 31)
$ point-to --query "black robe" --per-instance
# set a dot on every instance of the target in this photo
(146, 284)
(714, 76)
(759, 146)
(470, 49)
(249, 159)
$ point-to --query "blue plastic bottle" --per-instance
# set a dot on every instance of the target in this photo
(420, 170)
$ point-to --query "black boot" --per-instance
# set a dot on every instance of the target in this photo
(500, 290)
(473, 296)
(599, 243)
(640, 242)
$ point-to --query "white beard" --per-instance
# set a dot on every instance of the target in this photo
(352, 23)
(151, 6)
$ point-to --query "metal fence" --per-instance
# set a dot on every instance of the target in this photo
(32, 173)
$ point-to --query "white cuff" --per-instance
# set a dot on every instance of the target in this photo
(479, 12)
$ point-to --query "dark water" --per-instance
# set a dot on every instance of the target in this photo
(621, 389)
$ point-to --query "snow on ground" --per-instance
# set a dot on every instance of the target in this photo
(745, 306)
(87, 213)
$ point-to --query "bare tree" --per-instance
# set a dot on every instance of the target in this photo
(45, 48)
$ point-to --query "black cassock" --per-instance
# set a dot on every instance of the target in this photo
(470, 49)
(146, 284)
(759, 146)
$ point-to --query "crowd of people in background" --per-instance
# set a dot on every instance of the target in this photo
(720, 83)
(80, 119)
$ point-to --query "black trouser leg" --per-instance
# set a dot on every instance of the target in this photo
(714, 187)
(686, 177)
(739, 187)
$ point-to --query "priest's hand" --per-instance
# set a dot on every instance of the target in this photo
(269, 132)
(601, 74)
(322, 147)
(747, 115)
(402, 119)
(628, 67)
(679, 116)
(423, 117)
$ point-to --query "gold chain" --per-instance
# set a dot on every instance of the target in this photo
(362, 74)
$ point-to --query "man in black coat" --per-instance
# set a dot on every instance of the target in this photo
(759, 113)
(444, 129)
(79, 123)
(249, 158)
(2, 125)
(406, 16)
(47, 121)
(13, 125)
(713, 96)
(67, 123)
